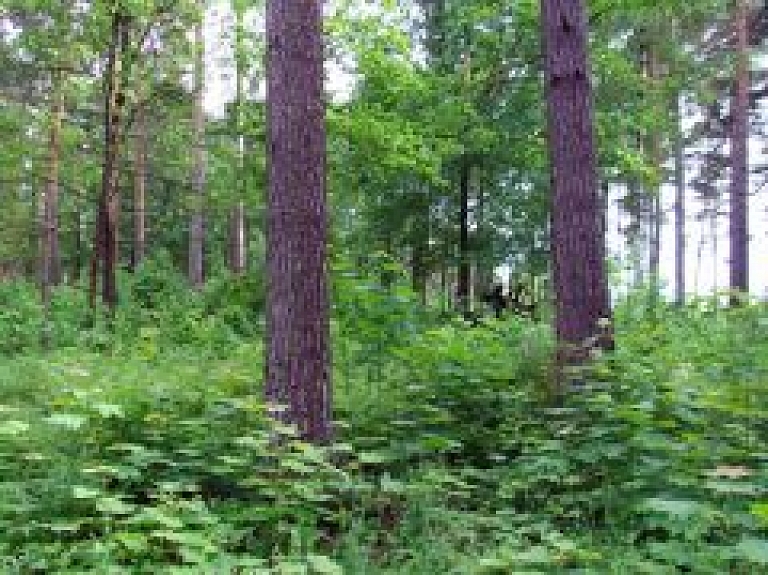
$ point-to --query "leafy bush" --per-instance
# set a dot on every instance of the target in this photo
(100, 470)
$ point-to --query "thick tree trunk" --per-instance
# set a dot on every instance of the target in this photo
(464, 278)
(105, 252)
(581, 289)
(297, 352)
(139, 185)
(197, 221)
(680, 244)
(739, 232)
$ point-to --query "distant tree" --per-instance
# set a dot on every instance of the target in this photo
(680, 212)
(578, 252)
(237, 235)
(297, 352)
(739, 135)
(106, 252)
(197, 221)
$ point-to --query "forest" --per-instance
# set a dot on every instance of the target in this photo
(378, 287)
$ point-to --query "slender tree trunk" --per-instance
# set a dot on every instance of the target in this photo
(637, 232)
(654, 255)
(420, 244)
(739, 232)
(238, 242)
(139, 185)
(298, 348)
(197, 220)
(715, 244)
(51, 204)
(483, 274)
(581, 288)
(655, 215)
(44, 270)
(107, 219)
(238, 239)
(680, 244)
(462, 289)
(77, 258)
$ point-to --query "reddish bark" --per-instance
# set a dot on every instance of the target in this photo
(297, 351)
(578, 252)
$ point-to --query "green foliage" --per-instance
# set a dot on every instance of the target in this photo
(104, 471)
(157, 312)
(152, 451)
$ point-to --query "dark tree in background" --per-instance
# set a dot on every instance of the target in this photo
(106, 252)
(578, 252)
(739, 126)
(297, 352)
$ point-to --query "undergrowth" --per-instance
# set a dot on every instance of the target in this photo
(144, 446)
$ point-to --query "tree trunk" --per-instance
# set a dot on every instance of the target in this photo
(655, 214)
(197, 220)
(483, 272)
(419, 249)
(77, 258)
(105, 252)
(739, 233)
(297, 353)
(679, 209)
(581, 289)
(52, 260)
(139, 185)
(238, 242)
(462, 289)
(654, 246)
(715, 244)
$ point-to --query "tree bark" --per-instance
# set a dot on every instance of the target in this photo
(578, 252)
(739, 232)
(197, 220)
(297, 352)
